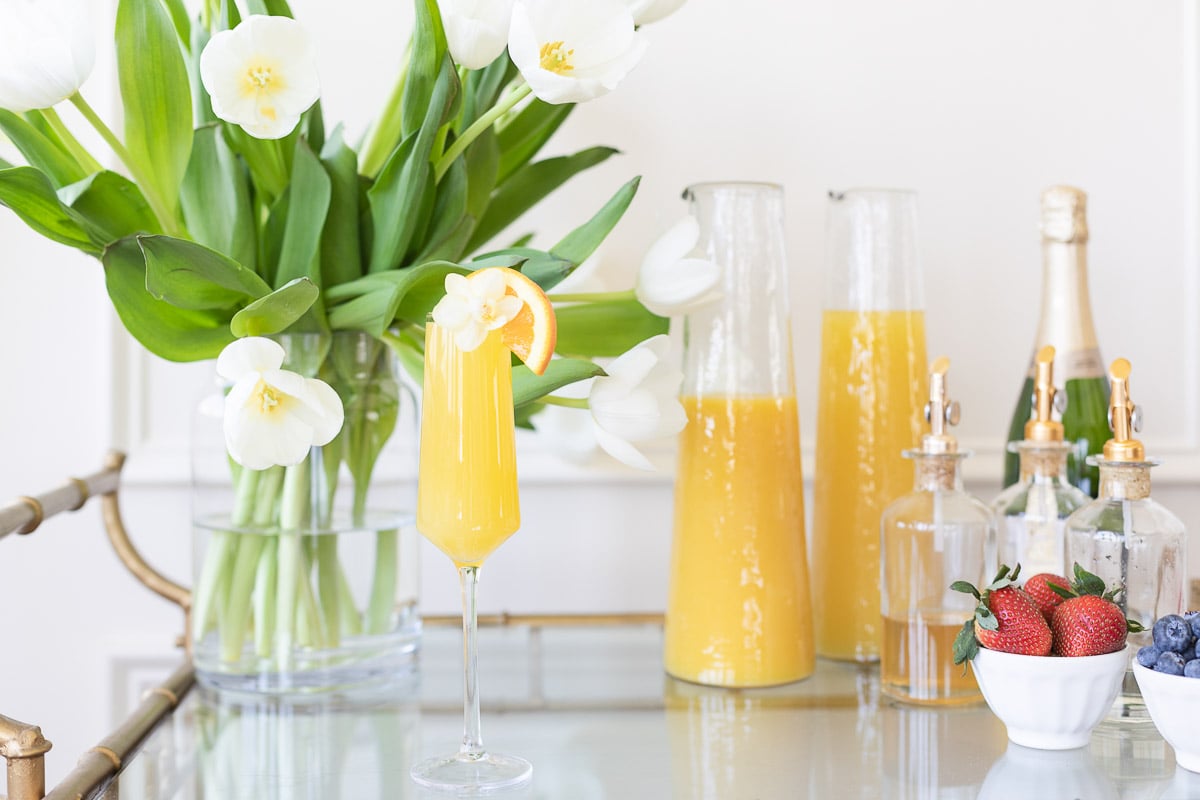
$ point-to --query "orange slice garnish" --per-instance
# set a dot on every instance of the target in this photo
(532, 333)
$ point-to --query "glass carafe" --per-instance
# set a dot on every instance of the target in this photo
(872, 390)
(738, 611)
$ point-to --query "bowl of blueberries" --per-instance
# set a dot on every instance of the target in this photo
(1168, 674)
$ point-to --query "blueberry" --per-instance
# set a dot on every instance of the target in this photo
(1193, 618)
(1170, 663)
(1172, 633)
(1148, 655)
(1192, 668)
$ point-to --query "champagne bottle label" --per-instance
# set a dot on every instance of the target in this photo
(1075, 365)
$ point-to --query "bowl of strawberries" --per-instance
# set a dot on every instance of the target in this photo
(1049, 654)
(1167, 673)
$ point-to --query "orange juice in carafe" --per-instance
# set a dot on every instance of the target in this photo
(739, 536)
(871, 391)
(869, 401)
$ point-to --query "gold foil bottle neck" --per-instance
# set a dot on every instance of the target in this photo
(1123, 416)
(1041, 428)
(940, 412)
(1064, 215)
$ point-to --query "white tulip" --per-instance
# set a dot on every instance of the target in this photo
(473, 307)
(647, 11)
(571, 51)
(273, 416)
(569, 433)
(262, 75)
(637, 401)
(476, 30)
(669, 282)
(47, 51)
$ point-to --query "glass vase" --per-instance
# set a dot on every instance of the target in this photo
(306, 577)
(872, 391)
(738, 610)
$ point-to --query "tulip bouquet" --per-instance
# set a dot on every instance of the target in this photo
(237, 213)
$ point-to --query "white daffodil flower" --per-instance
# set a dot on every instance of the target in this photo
(571, 51)
(273, 416)
(47, 51)
(637, 401)
(669, 282)
(262, 75)
(647, 11)
(476, 30)
(473, 307)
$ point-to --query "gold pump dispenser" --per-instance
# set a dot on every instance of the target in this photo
(1124, 417)
(1046, 399)
(940, 412)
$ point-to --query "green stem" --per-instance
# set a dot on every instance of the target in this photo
(328, 570)
(593, 297)
(351, 621)
(565, 402)
(89, 164)
(382, 606)
(264, 597)
(215, 573)
(310, 619)
(292, 516)
(246, 567)
(167, 220)
(386, 130)
(502, 107)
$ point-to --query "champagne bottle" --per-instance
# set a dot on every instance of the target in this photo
(1066, 324)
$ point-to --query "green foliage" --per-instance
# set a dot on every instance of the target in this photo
(29, 193)
(189, 275)
(40, 151)
(215, 196)
(277, 311)
(112, 204)
(528, 387)
(607, 328)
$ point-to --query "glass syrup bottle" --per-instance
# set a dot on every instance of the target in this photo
(930, 538)
(1031, 514)
(1066, 323)
(1126, 537)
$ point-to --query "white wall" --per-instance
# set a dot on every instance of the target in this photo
(976, 107)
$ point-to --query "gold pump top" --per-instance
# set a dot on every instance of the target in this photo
(940, 412)
(1123, 416)
(1064, 215)
(1041, 428)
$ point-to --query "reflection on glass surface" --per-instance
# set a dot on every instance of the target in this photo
(1135, 758)
(1025, 772)
(924, 752)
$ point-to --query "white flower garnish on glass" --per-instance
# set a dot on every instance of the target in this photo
(669, 282)
(571, 51)
(637, 401)
(262, 75)
(476, 30)
(47, 51)
(273, 416)
(647, 11)
(472, 308)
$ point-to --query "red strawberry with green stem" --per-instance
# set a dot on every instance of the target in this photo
(1088, 622)
(1046, 599)
(1006, 619)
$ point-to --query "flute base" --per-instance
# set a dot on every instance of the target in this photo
(463, 773)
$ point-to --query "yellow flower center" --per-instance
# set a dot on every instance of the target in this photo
(259, 76)
(268, 400)
(556, 58)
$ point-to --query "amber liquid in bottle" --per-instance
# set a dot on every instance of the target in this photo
(918, 656)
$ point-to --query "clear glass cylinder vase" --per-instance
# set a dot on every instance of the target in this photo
(306, 577)
(870, 401)
(738, 611)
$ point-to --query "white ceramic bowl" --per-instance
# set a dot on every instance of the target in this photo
(1173, 702)
(1049, 702)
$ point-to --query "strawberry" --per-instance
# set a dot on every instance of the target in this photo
(1088, 622)
(1038, 589)
(1006, 619)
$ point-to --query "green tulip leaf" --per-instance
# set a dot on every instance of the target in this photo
(40, 151)
(215, 196)
(168, 331)
(528, 387)
(156, 94)
(583, 241)
(277, 311)
(426, 66)
(341, 253)
(374, 302)
(29, 193)
(607, 328)
(191, 276)
(525, 135)
(113, 204)
(310, 192)
(449, 227)
(482, 160)
(530, 185)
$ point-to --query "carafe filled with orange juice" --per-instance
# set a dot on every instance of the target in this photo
(738, 611)
(872, 390)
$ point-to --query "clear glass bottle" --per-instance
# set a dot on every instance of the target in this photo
(1126, 537)
(872, 389)
(738, 608)
(1066, 323)
(1031, 514)
(930, 538)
